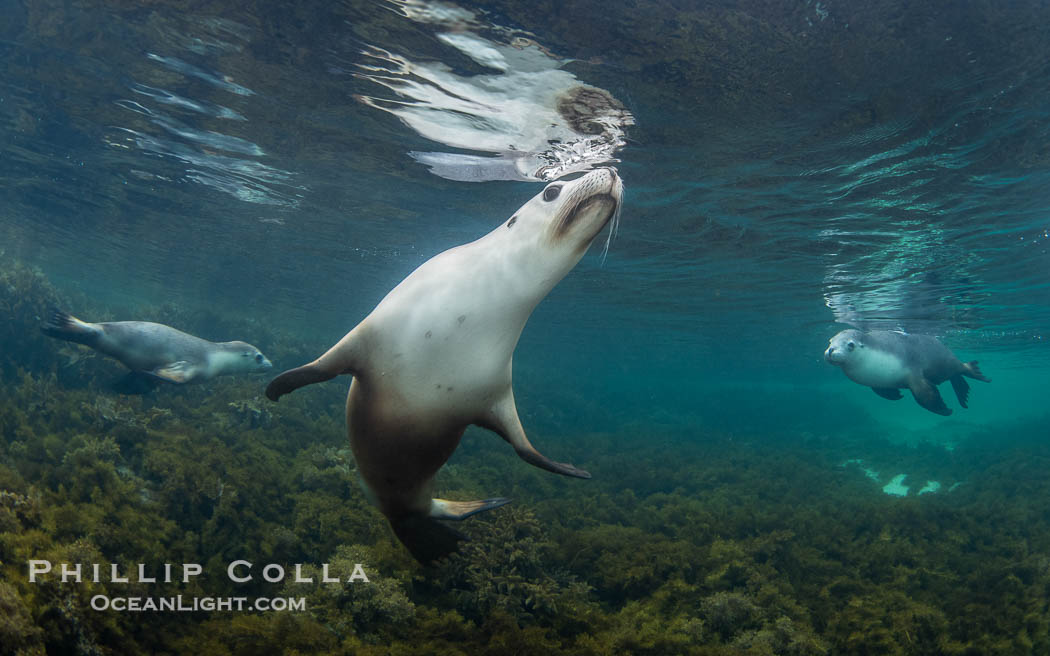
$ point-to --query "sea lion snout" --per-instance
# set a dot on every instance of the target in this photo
(841, 346)
(585, 206)
(833, 355)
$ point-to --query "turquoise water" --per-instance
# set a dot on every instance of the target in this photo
(791, 169)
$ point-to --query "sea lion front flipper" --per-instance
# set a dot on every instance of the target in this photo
(891, 393)
(178, 372)
(457, 510)
(340, 359)
(293, 379)
(927, 396)
(426, 539)
(503, 420)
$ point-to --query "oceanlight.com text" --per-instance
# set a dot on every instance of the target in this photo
(180, 603)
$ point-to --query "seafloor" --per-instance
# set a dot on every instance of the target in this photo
(696, 542)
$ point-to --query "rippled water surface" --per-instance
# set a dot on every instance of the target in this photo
(790, 168)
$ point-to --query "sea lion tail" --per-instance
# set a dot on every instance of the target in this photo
(973, 371)
(427, 539)
(63, 325)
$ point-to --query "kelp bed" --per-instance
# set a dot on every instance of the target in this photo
(696, 543)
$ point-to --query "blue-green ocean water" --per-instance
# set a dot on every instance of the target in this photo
(793, 169)
(885, 159)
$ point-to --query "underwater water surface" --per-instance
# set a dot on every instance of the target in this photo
(268, 173)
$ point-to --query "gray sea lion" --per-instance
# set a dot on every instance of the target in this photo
(435, 356)
(155, 352)
(887, 361)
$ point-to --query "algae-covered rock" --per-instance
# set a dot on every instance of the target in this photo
(350, 597)
(25, 297)
(709, 544)
(18, 633)
(506, 566)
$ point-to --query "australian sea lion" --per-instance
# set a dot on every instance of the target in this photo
(435, 356)
(155, 352)
(888, 360)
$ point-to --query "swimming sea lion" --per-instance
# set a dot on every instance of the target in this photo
(888, 360)
(435, 356)
(155, 352)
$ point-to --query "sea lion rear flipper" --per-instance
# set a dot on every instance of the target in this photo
(503, 420)
(178, 372)
(445, 509)
(891, 393)
(63, 325)
(426, 539)
(927, 396)
(961, 387)
(973, 371)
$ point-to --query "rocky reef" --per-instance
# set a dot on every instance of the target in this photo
(703, 543)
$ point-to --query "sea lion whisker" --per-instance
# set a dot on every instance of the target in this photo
(614, 224)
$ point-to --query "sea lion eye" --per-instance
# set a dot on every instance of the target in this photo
(850, 346)
(551, 192)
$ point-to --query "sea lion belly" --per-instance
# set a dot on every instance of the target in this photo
(385, 425)
(457, 323)
(879, 369)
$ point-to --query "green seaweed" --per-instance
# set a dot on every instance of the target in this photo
(704, 544)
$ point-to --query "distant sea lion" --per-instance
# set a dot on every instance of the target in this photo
(887, 361)
(435, 356)
(155, 352)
